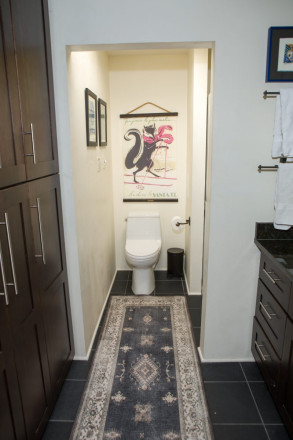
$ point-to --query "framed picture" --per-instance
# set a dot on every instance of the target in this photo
(149, 143)
(102, 123)
(280, 54)
(91, 118)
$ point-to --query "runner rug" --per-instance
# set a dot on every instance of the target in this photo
(145, 381)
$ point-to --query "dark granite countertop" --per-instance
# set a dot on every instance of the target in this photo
(276, 244)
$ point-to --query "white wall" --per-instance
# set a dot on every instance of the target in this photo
(242, 132)
(93, 192)
(134, 80)
(196, 166)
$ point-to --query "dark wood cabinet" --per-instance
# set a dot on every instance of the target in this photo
(12, 162)
(34, 295)
(28, 144)
(11, 418)
(272, 339)
(36, 342)
(21, 302)
(46, 215)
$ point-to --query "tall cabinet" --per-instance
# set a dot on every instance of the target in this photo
(36, 344)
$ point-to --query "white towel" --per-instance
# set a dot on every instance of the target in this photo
(284, 197)
(283, 131)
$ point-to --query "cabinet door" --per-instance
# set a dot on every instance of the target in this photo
(46, 219)
(278, 284)
(12, 168)
(11, 419)
(265, 356)
(23, 309)
(286, 379)
(31, 33)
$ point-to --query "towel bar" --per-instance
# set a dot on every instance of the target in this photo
(267, 94)
(269, 168)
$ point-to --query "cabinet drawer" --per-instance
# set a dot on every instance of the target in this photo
(271, 317)
(265, 356)
(278, 284)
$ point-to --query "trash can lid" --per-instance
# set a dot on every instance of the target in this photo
(175, 251)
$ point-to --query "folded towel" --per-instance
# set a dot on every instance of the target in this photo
(277, 140)
(283, 131)
(284, 197)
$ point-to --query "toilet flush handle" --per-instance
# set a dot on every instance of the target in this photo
(186, 223)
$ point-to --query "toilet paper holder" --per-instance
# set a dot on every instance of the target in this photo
(186, 223)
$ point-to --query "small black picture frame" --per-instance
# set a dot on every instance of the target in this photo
(280, 54)
(102, 123)
(91, 118)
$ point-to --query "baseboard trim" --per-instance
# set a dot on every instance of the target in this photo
(207, 360)
(86, 357)
(187, 287)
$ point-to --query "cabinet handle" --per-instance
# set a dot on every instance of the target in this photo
(5, 293)
(33, 154)
(263, 356)
(263, 306)
(268, 274)
(38, 208)
(6, 223)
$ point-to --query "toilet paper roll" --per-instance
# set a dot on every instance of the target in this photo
(177, 220)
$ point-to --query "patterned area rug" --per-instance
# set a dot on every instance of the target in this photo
(145, 381)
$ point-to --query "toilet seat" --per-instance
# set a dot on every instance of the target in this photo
(142, 248)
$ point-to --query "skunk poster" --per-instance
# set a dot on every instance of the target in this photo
(149, 152)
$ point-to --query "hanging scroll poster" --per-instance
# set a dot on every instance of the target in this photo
(149, 154)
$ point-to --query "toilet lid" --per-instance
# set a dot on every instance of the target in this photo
(142, 248)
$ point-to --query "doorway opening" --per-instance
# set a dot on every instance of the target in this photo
(178, 77)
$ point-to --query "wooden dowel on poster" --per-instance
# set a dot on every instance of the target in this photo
(146, 115)
(150, 200)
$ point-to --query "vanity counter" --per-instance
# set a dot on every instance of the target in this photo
(276, 245)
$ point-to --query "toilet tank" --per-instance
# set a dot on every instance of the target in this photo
(143, 226)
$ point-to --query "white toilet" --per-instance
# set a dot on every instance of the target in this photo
(142, 249)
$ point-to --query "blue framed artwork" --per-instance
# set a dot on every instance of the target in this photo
(280, 55)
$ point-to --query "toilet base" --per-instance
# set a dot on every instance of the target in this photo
(143, 281)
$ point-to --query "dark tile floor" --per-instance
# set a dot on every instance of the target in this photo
(238, 400)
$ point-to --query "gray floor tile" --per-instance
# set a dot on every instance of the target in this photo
(265, 403)
(57, 431)
(68, 401)
(97, 337)
(231, 403)
(164, 275)
(119, 287)
(195, 316)
(252, 372)
(239, 432)
(222, 371)
(122, 275)
(169, 288)
(79, 370)
(128, 290)
(194, 301)
(277, 432)
(196, 332)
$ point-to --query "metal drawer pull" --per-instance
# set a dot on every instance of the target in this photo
(38, 208)
(263, 356)
(263, 306)
(6, 223)
(33, 144)
(5, 293)
(11, 253)
(268, 274)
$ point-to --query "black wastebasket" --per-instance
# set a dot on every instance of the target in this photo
(175, 261)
